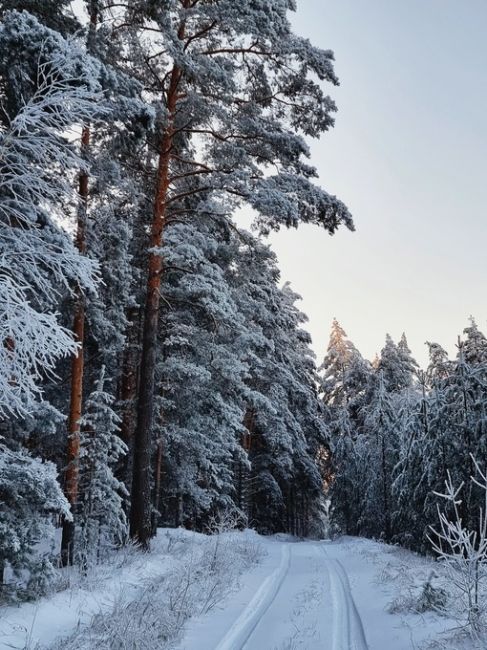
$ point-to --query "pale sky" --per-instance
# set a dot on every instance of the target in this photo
(407, 156)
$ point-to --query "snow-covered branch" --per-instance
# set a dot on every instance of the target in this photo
(38, 165)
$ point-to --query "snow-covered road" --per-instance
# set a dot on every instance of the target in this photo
(266, 593)
(303, 601)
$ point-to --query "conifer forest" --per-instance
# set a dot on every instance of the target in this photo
(165, 424)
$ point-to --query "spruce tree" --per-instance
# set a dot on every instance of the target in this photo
(101, 519)
(345, 387)
(411, 483)
(55, 14)
(30, 496)
(397, 365)
(200, 376)
(339, 355)
(382, 447)
(285, 421)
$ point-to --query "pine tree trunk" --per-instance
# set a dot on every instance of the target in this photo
(180, 511)
(385, 490)
(141, 504)
(77, 369)
(240, 486)
(245, 474)
(157, 485)
(128, 393)
(292, 512)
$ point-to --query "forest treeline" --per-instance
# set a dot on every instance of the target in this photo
(153, 369)
(398, 433)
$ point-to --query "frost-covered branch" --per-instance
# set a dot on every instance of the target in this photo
(38, 164)
(464, 551)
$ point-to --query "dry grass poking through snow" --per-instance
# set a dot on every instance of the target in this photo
(421, 593)
(203, 570)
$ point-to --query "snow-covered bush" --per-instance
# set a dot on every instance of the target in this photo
(430, 597)
(30, 496)
(224, 521)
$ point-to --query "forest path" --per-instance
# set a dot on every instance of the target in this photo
(303, 601)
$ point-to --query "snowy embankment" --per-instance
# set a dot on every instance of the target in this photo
(137, 600)
(239, 591)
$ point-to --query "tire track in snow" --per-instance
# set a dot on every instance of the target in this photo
(359, 641)
(348, 629)
(240, 632)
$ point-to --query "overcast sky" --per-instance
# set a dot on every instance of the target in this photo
(408, 156)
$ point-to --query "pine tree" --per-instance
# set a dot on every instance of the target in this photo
(235, 86)
(78, 361)
(102, 230)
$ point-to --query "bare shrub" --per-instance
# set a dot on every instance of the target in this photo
(204, 571)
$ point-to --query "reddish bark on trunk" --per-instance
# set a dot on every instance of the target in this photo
(157, 484)
(141, 503)
(76, 400)
(77, 367)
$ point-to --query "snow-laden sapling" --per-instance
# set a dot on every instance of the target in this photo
(101, 519)
(464, 550)
(421, 598)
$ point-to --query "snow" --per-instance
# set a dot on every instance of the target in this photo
(304, 601)
(287, 595)
(318, 595)
(50, 618)
(246, 623)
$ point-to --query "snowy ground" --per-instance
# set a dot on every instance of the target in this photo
(321, 596)
(241, 591)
